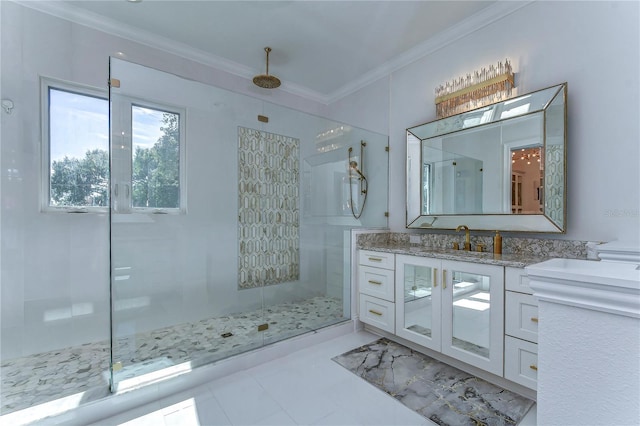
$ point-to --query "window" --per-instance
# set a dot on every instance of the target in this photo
(155, 139)
(78, 154)
(147, 156)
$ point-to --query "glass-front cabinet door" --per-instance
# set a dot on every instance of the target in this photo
(418, 300)
(473, 314)
(452, 307)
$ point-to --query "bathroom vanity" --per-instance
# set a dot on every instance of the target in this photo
(499, 167)
(472, 307)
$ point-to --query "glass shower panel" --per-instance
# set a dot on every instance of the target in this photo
(320, 294)
(176, 296)
(241, 235)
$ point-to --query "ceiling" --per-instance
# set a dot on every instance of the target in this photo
(321, 49)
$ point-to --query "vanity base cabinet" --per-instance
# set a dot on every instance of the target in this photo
(481, 315)
(376, 289)
(377, 312)
(456, 308)
(521, 329)
(521, 362)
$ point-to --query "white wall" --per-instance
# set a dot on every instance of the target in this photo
(604, 345)
(594, 46)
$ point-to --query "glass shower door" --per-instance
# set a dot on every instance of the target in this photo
(229, 223)
(174, 230)
(318, 295)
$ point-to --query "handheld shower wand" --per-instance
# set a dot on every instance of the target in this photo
(353, 165)
(364, 185)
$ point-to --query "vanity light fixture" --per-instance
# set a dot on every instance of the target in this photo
(483, 87)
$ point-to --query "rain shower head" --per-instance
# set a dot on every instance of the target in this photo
(265, 80)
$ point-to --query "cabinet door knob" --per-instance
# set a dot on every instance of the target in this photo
(533, 367)
(534, 319)
(435, 277)
(375, 312)
(375, 259)
(375, 282)
(444, 278)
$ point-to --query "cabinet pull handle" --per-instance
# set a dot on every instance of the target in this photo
(375, 259)
(533, 367)
(444, 278)
(435, 277)
(534, 319)
(375, 282)
(375, 312)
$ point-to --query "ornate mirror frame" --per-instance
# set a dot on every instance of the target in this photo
(488, 195)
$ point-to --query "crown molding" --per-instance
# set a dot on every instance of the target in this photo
(481, 19)
(485, 17)
(82, 17)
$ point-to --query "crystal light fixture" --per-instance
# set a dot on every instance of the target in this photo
(483, 87)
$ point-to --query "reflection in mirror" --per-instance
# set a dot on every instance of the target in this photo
(451, 182)
(526, 181)
(499, 167)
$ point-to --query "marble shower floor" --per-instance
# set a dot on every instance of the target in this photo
(40, 378)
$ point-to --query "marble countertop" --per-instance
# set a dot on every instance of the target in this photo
(505, 259)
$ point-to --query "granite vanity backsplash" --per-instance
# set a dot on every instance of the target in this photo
(517, 252)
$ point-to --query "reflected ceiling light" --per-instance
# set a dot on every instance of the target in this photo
(265, 80)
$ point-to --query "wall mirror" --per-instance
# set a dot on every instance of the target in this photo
(498, 167)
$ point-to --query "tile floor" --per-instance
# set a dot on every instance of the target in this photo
(48, 376)
(303, 388)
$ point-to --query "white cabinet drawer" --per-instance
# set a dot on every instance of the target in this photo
(521, 316)
(521, 362)
(376, 282)
(377, 312)
(376, 259)
(516, 279)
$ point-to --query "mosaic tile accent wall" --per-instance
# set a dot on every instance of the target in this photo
(554, 183)
(268, 208)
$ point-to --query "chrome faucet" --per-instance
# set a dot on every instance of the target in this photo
(467, 237)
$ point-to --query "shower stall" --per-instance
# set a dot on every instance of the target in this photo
(223, 225)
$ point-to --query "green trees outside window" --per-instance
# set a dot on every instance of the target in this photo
(79, 122)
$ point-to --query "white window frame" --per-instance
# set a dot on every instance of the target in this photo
(80, 89)
(121, 127)
(122, 133)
